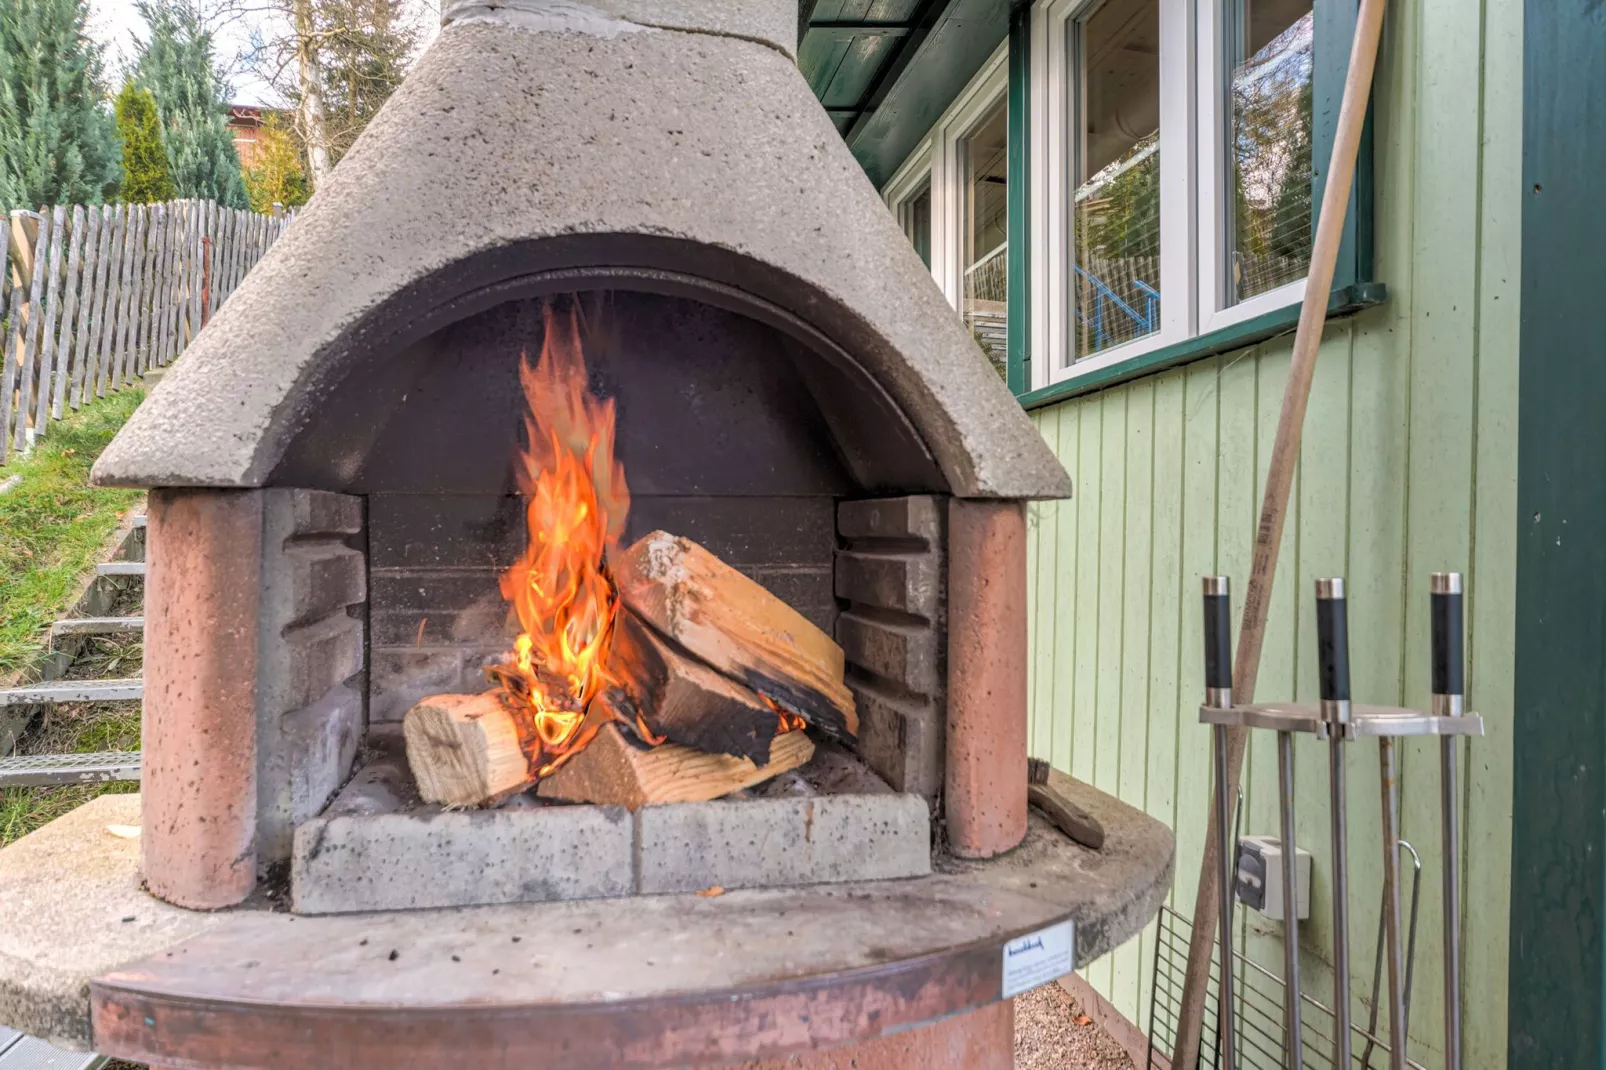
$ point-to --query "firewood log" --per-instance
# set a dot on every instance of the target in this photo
(612, 771)
(464, 749)
(684, 700)
(738, 627)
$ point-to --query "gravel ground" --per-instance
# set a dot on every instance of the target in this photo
(1052, 1033)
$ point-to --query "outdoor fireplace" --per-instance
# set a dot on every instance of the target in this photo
(337, 500)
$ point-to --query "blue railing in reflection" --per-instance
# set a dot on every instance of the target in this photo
(1135, 323)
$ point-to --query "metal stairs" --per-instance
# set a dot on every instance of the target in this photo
(19, 1052)
(50, 770)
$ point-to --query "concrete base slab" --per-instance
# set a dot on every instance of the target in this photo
(598, 984)
(72, 906)
(377, 847)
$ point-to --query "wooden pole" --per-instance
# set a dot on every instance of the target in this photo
(1274, 505)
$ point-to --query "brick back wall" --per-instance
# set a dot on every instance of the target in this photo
(436, 612)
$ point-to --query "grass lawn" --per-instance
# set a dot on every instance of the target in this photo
(54, 525)
(54, 528)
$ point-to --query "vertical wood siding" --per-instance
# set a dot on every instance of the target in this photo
(1408, 466)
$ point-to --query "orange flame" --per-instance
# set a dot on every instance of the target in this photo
(576, 504)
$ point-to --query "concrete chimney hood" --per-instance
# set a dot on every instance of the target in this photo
(663, 145)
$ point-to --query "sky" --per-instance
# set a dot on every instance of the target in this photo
(116, 24)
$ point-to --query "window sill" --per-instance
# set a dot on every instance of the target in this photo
(1345, 300)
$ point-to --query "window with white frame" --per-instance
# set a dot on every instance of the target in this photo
(1171, 172)
(952, 198)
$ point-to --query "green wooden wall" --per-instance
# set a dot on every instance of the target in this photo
(1408, 466)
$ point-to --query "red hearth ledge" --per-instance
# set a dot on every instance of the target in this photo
(199, 731)
(986, 770)
(980, 1040)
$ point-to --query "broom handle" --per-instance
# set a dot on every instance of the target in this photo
(1274, 505)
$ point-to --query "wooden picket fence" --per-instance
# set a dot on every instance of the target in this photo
(94, 297)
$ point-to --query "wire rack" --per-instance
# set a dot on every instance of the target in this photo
(1257, 1016)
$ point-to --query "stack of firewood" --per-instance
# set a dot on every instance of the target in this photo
(727, 675)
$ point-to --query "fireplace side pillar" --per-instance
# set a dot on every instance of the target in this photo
(198, 735)
(985, 796)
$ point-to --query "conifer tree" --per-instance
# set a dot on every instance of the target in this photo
(278, 177)
(176, 64)
(146, 178)
(57, 141)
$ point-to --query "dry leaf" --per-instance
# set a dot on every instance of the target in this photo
(1082, 1019)
(124, 832)
(711, 891)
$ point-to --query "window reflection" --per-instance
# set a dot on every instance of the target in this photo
(1116, 212)
(984, 159)
(915, 216)
(1270, 60)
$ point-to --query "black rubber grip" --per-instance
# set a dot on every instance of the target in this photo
(1449, 655)
(1218, 640)
(1332, 649)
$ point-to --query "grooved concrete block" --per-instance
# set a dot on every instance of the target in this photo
(686, 847)
(308, 722)
(903, 653)
(322, 512)
(913, 517)
(902, 740)
(321, 654)
(350, 864)
(322, 739)
(324, 577)
(906, 582)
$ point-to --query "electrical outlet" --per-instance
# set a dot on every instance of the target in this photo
(1259, 883)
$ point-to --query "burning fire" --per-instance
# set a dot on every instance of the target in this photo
(576, 503)
(567, 604)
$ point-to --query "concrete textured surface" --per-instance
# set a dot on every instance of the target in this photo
(518, 153)
(985, 800)
(71, 907)
(468, 858)
(198, 732)
(766, 843)
(770, 22)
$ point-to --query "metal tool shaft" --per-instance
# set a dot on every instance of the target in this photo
(1391, 904)
(1448, 776)
(1332, 660)
(1293, 1048)
(1449, 700)
(1228, 1039)
(1218, 693)
(1342, 1037)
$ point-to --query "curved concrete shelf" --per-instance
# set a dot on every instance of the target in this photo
(644, 982)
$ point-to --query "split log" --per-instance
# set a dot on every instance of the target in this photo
(464, 749)
(612, 771)
(738, 627)
(684, 700)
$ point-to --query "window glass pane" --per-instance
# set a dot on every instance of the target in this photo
(1270, 60)
(984, 160)
(1116, 212)
(914, 215)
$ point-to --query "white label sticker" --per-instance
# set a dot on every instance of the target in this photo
(1038, 958)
